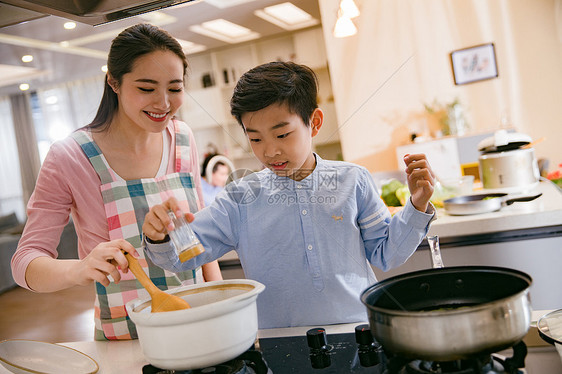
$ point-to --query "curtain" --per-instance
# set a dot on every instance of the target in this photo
(26, 143)
(10, 182)
(66, 107)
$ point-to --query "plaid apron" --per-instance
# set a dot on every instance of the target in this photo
(126, 204)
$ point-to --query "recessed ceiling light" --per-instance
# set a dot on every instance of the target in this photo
(24, 86)
(69, 25)
(287, 16)
(224, 30)
(226, 3)
(27, 58)
(159, 18)
(104, 68)
(190, 47)
(225, 27)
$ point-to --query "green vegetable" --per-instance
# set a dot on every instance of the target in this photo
(389, 193)
(403, 194)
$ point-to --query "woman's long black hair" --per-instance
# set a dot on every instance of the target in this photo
(132, 43)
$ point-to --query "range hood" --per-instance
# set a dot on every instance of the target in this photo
(91, 12)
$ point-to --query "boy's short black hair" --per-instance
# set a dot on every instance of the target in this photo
(276, 83)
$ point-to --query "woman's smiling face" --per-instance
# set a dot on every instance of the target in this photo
(281, 141)
(152, 92)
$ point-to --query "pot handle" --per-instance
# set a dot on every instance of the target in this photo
(436, 259)
(523, 198)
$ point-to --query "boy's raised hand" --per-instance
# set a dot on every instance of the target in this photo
(157, 223)
(420, 180)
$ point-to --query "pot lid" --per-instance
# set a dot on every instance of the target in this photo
(550, 327)
(503, 141)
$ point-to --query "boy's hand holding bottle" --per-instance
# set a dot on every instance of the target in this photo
(168, 219)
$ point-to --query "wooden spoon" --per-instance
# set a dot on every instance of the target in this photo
(161, 301)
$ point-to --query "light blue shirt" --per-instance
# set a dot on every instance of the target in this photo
(309, 242)
(209, 191)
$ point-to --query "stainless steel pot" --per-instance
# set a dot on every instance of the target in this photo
(516, 168)
(449, 313)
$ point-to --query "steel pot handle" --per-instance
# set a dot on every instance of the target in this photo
(436, 259)
(524, 198)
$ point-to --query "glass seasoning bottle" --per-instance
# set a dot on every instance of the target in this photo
(184, 239)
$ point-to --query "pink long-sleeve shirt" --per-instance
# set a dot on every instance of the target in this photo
(68, 184)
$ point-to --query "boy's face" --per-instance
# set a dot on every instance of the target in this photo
(281, 141)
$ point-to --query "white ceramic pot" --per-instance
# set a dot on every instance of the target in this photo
(221, 324)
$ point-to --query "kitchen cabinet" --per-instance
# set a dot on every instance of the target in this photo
(524, 236)
(309, 49)
(213, 75)
(442, 155)
(450, 156)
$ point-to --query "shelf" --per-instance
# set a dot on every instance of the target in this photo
(207, 109)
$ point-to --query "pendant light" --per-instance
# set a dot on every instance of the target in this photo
(344, 26)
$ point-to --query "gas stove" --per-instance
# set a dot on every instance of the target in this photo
(357, 352)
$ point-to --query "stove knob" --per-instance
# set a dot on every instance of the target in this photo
(367, 349)
(318, 354)
(316, 338)
(363, 335)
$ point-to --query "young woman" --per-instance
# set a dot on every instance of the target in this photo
(108, 174)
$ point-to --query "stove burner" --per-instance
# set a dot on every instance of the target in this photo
(249, 362)
(479, 364)
(474, 366)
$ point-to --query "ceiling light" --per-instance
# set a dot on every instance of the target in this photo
(344, 27)
(69, 25)
(226, 3)
(287, 13)
(190, 47)
(225, 27)
(349, 9)
(27, 58)
(24, 86)
(224, 30)
(104, 68)
(158, 18)
(287, 16)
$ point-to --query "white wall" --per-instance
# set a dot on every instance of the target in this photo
(399, 60)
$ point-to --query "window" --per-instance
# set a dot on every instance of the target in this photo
(11, 196)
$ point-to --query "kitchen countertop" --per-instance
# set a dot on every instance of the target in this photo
(545, 211)
(118, 357)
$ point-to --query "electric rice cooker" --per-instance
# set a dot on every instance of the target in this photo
(507, 162)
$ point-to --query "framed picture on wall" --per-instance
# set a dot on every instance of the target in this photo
(474, 64)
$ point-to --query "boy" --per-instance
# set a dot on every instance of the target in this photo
(305, 227)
